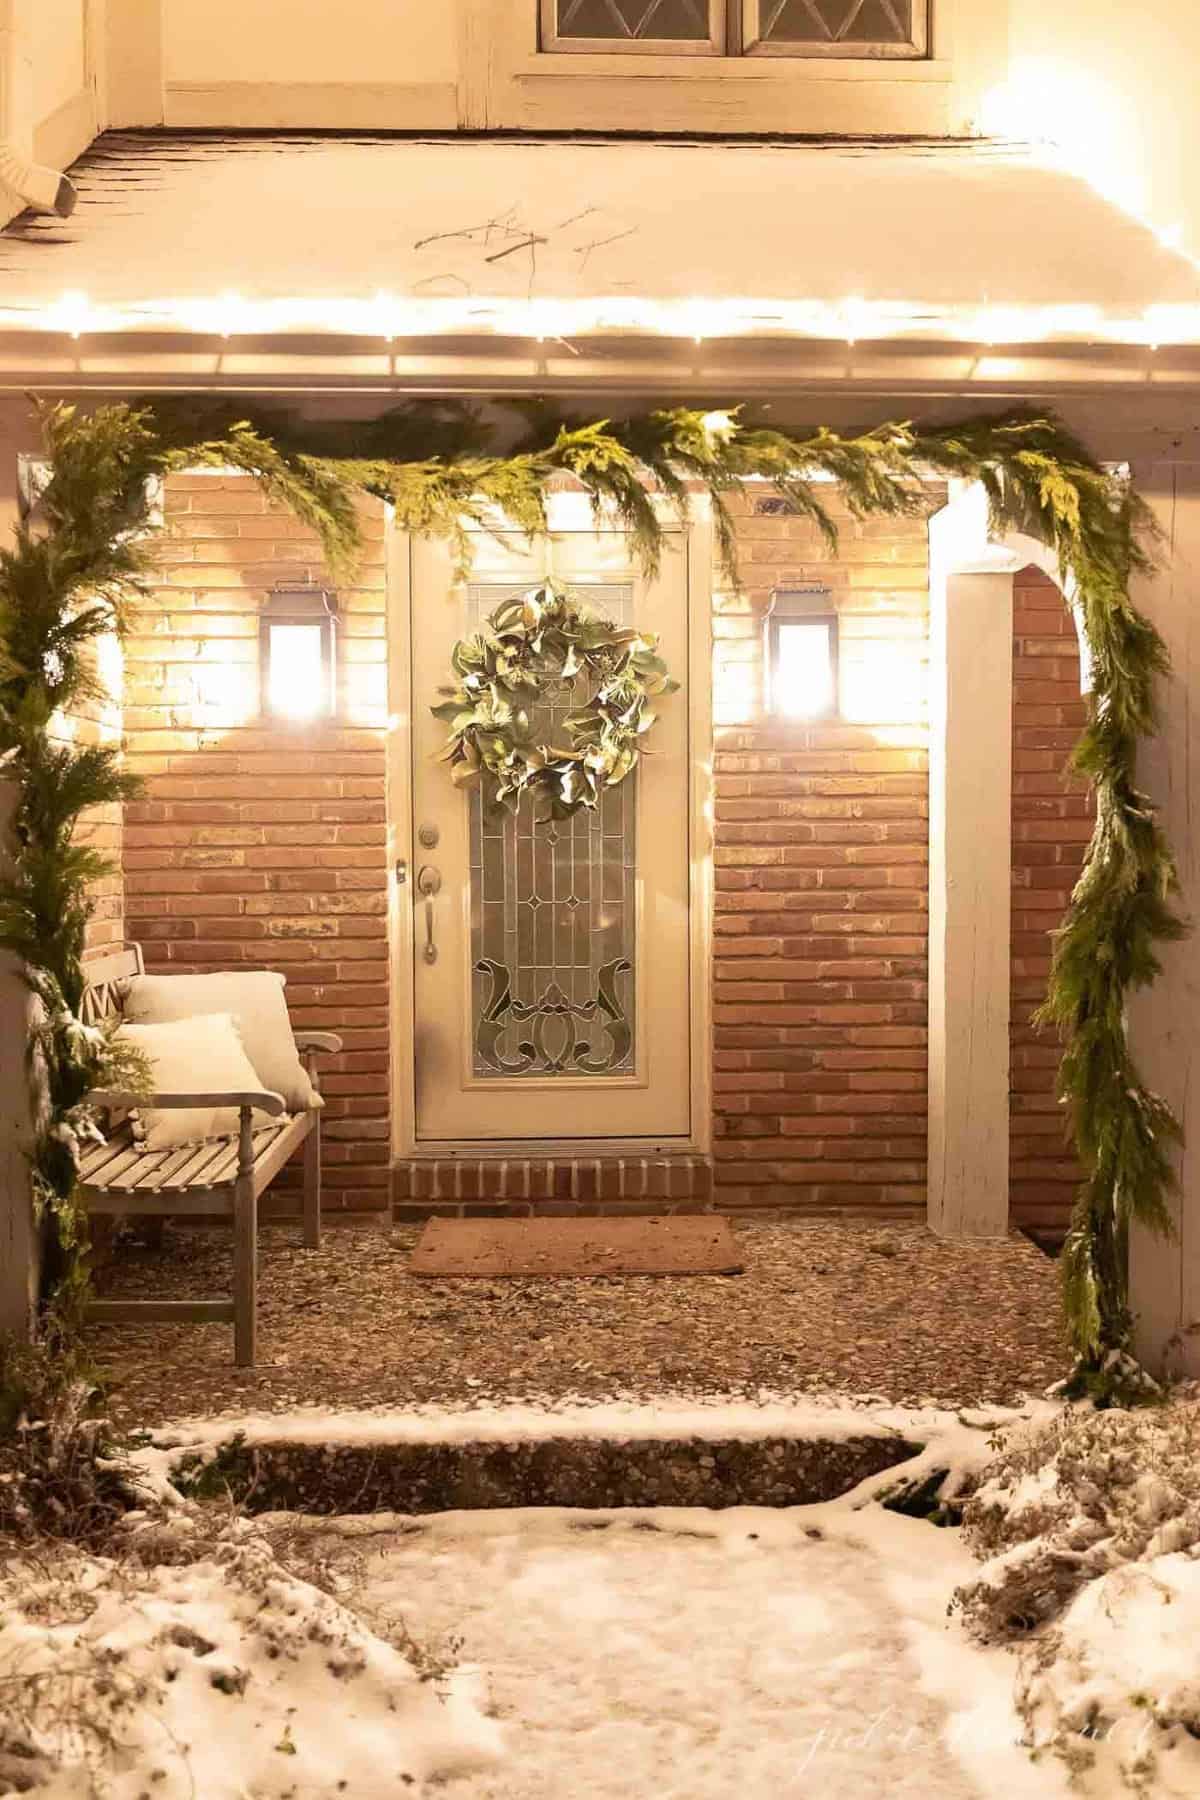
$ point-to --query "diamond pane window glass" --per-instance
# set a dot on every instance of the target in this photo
(554, 916)
(837, 27)
(628, 24)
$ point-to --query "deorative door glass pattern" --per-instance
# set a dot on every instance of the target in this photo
(554, 915)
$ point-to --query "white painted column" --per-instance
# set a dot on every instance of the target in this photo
(19, 1250)
(970, 881)
(16, 76)
(133, 63)
(1165, 1020)
(970, 860)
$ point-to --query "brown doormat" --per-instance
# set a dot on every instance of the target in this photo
(698, 1244)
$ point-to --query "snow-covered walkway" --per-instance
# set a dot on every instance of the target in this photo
(764, 1654)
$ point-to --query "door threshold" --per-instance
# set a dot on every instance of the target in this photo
(541, 1177)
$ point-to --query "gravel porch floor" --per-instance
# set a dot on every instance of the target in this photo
(824, 1304)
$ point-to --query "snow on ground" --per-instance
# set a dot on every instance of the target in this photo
(216, 1680)
(1123, 1687)
(691, 1655)
(678, 1654)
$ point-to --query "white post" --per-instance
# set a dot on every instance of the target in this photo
(19, 1246)
(970, 872)
(133, 63)
(16, 76)
(1165, 1020)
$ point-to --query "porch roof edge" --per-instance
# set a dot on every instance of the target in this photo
(418, 241)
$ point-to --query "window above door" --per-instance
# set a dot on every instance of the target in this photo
(806, 28)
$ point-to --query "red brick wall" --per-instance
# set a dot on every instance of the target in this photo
(262, 844)
(821, 888)
(1051, 823)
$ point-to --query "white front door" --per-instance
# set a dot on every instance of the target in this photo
(551, 963)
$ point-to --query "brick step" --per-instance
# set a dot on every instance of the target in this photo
(521, 1186)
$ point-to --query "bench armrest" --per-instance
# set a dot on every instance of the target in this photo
(262, 1099)
(318, 1040)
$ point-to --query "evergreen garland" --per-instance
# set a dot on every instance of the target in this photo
(70, 578)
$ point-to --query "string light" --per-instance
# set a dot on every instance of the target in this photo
(72, 315)
(387, 316)
(858, 319)
(850, 321)
(1004, 325)
(230, 313)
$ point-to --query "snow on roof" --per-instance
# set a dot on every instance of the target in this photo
(392, 237)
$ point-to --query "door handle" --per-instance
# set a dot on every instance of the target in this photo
(429, 883)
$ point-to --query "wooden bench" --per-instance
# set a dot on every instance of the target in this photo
(220, 1176)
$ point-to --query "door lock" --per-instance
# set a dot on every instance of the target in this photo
(428, 836)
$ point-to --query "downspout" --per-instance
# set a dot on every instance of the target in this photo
(45, 189)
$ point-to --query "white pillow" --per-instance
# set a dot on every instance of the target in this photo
(202, 1055)
(255, 999)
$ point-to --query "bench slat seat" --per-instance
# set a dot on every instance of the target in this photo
(120, 1166)
(219, 1176)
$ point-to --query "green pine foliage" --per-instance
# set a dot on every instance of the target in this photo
(70, 576)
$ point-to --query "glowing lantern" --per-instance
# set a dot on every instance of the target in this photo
(800, 656)
(297, 654)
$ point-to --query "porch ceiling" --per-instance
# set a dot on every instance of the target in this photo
(250, 237)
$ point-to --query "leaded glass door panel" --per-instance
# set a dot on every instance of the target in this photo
(550, 961)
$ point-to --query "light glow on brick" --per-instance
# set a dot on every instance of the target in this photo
(884, 682)
(226, 694)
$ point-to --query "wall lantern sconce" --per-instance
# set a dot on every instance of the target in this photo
(297, 654)
(800, 655)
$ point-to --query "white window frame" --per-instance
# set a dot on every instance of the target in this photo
(735, 30)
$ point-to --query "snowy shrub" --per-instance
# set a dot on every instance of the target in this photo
(1091, 1530)
(60, 1477)
(1114, 1688)
(220, 1676)
(1066, 1502)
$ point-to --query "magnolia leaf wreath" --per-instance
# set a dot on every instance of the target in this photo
(531, 645)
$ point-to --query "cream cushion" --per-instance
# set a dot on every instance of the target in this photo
(255, 1000)
(202, 1055)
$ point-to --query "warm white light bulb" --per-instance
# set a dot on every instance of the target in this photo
(802, 681)
(72, 314)
(386, 316)
(231, 314)
(719, 425)
(297, 687)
